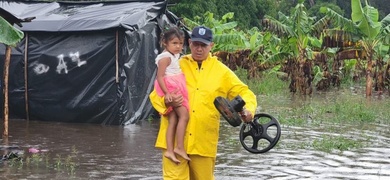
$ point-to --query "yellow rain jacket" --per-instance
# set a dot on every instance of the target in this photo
(213, 79)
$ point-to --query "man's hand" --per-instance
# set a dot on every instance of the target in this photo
(175, 100)
(246, 115)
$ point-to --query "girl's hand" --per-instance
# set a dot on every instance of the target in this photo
(176, 99)
(168, 97)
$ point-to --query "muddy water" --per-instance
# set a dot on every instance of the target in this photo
(102, 152)
(105, 152)
(290, 161)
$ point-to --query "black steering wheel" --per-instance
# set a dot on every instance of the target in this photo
(260, 135)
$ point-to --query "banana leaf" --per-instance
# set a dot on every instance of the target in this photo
(9, 35)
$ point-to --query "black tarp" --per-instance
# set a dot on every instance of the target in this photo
(85, 62)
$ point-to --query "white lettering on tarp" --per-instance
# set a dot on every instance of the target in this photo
(61, 64)
(40, 68)
(76, 58)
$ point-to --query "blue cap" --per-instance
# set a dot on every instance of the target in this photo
(202, 34)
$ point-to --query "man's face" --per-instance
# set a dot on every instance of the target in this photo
(199, 50)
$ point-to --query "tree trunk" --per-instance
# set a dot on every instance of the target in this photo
(387, 78)
(335, 72)
(369, 77)
(379, 82)
(304, 73)
(5, 88)
(292, 69)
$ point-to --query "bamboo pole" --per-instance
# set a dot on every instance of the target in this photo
(116, 57)
(25, 77)
(5, 88)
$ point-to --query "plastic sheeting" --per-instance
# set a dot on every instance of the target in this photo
(85, 62)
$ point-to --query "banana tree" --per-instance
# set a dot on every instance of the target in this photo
(9, 36)
(382, 58)
(234, 47)
(295, 33)
(226, 37)
(371, 32)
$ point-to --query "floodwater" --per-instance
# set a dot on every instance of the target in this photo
(87, 151)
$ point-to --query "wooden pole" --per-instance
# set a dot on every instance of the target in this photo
(5, 88)
(116, 57)
(26, 77)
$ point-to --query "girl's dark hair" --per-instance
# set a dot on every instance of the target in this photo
(171, 33)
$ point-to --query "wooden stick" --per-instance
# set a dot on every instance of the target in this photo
(26, 76)
(5, 88)
(116, 58)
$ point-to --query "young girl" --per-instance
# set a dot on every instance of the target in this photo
(170, 80)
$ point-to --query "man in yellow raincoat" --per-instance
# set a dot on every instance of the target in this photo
(206, 78)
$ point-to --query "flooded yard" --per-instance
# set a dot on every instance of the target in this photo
(85, 151)
(290, 159)
(339, 140)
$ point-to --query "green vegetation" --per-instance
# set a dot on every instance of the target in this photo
(325, 49)
(254, 9)
(58, 163)
(332, 113)
(267, 84)
(328, 143)
(313, 54)
(9, 34)
(345, 105)
(250, 12)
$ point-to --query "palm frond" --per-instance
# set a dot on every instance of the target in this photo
(190, 23)
(277, 27)
(341, 22)
(277, 57)
(365, 19)
(386, 21)
(385, 32)
(221, 28)
(320, 25)
(229, 42)
(302, 21)
(284, 18)
(9, 34)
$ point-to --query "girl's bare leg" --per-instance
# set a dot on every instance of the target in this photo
(183, 117)
(170, 136)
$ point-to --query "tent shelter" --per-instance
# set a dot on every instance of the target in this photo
(85, 62)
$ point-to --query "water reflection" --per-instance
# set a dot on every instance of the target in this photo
(111, 152)
(103, 152)
(289, 161)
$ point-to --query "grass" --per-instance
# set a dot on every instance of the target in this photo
(330, 143)
(268, 84)
(44, 160)
(333, 111)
